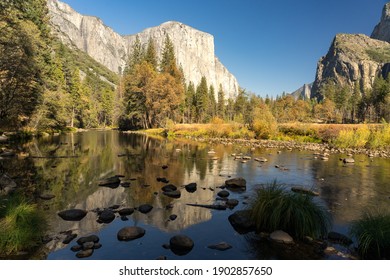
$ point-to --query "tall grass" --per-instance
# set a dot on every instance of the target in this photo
(372, 232)
(21, 226)
(350, 138)
(274, 208)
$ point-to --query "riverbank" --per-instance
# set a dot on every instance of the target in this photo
(371, 140)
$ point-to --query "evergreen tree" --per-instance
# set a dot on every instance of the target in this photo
(190, 111)
(212, 104)
(151, 53)
(221, 103)
(136, 56)
(202, 98)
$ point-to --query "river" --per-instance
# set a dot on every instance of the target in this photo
(72, 165)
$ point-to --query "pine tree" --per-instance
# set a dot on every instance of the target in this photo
(202, 98)
(151, 53)
(221, 103)
(212, 104)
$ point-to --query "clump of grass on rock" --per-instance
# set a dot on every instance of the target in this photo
(275, 208)
(372, 232)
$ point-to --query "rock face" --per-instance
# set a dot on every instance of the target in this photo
(303, 92)
(382, 30)
(352, 59)
(194, 48)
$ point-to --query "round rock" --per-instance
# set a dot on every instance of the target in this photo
(222, 246)
(173, 194)
(130, 233)
(107, 216)
(85, 253)
(126, 211)
(181, 244)
(90, 238)
(72, 214)
(223, 193)
(191, 187)
(348, 160)
(145, 208)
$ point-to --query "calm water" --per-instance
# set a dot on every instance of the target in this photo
(346, 190)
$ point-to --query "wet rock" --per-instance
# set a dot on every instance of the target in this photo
(173, 194)
(241, 222)
(114, 207)
(161, 258)
(112, 182)
(339, 238)
(231, 203)
(88, 245)
(280, 236)
(130, 233)
(330, 251)
(76, 248)
(223, 194)
(304, 191)
(72, 214)
(90, 238)
(164, 166)
(172, 217)
(348, 160)
(234, 183)
(169, 188)
(222, 246)
(106, 216)
(84, 253)
(145, 208)
(97, 246)
(126, 211)
(181, 244)
(191, 187)
(47, 196)
(69, 238)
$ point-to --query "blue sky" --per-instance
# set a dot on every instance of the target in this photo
(270, 46)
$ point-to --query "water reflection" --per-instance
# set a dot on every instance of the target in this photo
(72, 166)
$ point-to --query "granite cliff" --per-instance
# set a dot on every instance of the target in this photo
(356, 59)
(194, 48)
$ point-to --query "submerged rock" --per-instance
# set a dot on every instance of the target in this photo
(106, 216)
(211, 206)
(241, 222)
(181, 244)
(90, 238)
(47, 196)
(173, 194)
(222, 246)
(126, 211)
(72, 214)
(130, 233)
(169, 188)
(145, 208)
(223, 194)
(236, 183)
(191, 187)
(85, 253)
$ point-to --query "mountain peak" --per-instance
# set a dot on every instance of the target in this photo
(382, 29)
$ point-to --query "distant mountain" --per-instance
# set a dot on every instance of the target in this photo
(194, 48)
(356, 59)
(303, 92)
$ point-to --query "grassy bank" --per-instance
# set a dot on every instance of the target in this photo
(373, 136)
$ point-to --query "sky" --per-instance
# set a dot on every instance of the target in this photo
(270, 46)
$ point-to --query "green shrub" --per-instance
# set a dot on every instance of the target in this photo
(21, 226)
(372, 232)
(274, 208)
